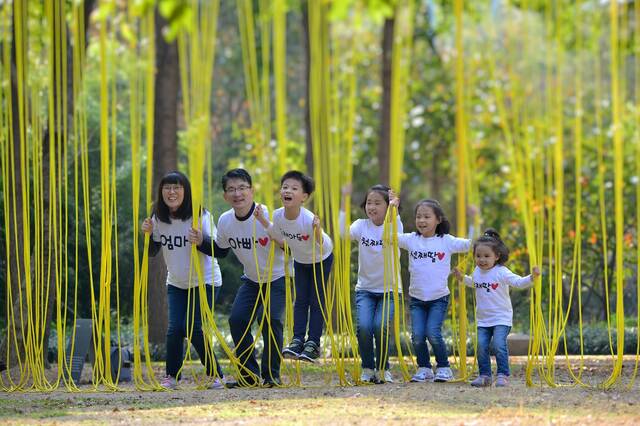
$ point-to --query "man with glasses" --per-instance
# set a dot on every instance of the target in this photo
(241, 229)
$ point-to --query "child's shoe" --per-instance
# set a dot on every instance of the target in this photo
(502, 380)
(310, 352)
(481, 381)
(294, 349)
(272, 383)
(424, 374)
(443, 374)
(368, 375)
(387, 377)
(216, 384)
(169, 383)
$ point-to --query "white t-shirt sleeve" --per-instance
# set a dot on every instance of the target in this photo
(355, 230)
(458, 245)
(221, 237)
(403, 240)
(514, 280)
(468, 281)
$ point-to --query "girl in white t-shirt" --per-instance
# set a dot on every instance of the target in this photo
(171, 229)
(374, 297)
(430, 249)
(494, 313)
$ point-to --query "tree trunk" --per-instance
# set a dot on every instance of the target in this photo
(307, 78)
(165, 159)
(384, 142)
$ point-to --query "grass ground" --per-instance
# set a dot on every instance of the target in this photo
(317, 403)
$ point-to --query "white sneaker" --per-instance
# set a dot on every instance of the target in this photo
(424, 374)
(216, 384)
(368, 375)
(169, 382)
(388, 378)
(443, 374)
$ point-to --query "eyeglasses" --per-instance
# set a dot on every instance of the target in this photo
(241, 188)
(172, 188)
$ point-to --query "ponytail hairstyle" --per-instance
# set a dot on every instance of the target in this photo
(444, 226)
(492, 239)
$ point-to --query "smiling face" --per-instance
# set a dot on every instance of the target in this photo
(173, 195)
(485, 257)
(376, 207)
(292, 193)
(239, 194)
(426, 221)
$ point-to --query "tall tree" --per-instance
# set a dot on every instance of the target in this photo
(165, 159)
(384, 143)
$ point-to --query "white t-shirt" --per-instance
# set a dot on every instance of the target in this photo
(249, 239)
(371, 259)
(176, 250)
(299, 236)
(493, 304)
(430, 263)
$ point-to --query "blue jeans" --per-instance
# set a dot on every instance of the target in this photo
(180, 323)
(309, 305)
(249, 295)
(374, 312)
(426, 323)
(499, 333)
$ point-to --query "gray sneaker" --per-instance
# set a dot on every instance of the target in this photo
(502, 381)
(294, 349)
(367, 375)
(481, 381)
(443, 374)
(310, 352)
(424, 374)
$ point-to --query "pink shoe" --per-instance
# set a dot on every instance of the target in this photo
(169, 382)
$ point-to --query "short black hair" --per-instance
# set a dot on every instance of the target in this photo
(444, 226)
(160, 208)
(381, 189)
(492, 239)
(241, 174)
(306, 181)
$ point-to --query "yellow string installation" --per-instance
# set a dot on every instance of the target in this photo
(543, 117)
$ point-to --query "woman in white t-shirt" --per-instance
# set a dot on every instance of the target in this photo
(171, 229)
(374, 296)
(494, 313)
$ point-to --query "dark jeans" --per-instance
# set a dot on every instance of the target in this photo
(180, 324)
(499, 334)
(309, 305)
(249, 295)
(426, 323)
(374, 312)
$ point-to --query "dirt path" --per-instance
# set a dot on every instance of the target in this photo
(316, 403)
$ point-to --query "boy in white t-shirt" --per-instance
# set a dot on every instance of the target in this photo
(312, 251)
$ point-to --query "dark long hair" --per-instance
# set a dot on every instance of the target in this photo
(492, 239)
(444, 226)
(383, 190)
(160, 208)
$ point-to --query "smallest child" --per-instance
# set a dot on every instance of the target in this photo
(494, 313)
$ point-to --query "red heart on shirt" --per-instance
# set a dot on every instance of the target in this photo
(440, 255)
(305, 237)
(263, 241)
(494, 286)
